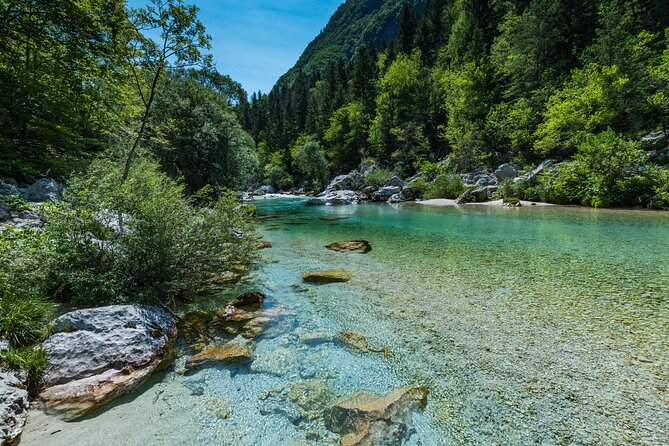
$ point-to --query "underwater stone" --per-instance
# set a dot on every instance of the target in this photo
(227, 354)
(362, 246)
(368, 419)
(329, 276)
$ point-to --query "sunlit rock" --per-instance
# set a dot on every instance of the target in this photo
(97, 355)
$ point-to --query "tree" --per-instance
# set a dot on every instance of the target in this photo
(659, 76)
(465, 99)
(181, 37)
(197, 136)
(309, 158)
(346, 137)
(591, 101)
(398, 131)
(63, 82)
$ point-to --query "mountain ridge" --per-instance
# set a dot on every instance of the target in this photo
(355, 23)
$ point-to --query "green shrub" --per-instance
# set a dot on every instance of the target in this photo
(276, 173)
(32, 361)
(607, 171)
(16, 203)
(142, 240)
(23, 318)
(445, 186)
(660, 188)
(431, 170)
(309, 158)
(378, 177)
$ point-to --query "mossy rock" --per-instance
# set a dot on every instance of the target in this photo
(329, 276)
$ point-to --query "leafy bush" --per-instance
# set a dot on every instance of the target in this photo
(142, 240)
(310, 162)
(31, 360)
(276, 173)
(660, 187)
(607, 171)
(378, 177)
(445, 186)
(16, 203)
(431, 170)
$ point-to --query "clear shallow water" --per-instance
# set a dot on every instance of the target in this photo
(531, 326)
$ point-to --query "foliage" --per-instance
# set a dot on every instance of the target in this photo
(23, 318)
(16, 202)
(660, 188)
(463, 96)
(276, 174)
(141, 240)
(397, 134)
(181, 37)
(347, 136)
(197, 137)
(31, 360)
(430, 171)
(590, 102)
(311, 163)
(606, 171)
(448, 185)
(377, 177)
(62, 77)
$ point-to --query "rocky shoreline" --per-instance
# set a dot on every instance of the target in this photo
(480, 187)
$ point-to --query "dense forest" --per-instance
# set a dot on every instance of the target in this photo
(478, 83)
(77, 78)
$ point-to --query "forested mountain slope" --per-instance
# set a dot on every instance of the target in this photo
(354, 24)
(477, 83)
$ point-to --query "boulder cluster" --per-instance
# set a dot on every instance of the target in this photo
(351, 188)
(31, 191)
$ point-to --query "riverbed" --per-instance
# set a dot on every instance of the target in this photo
(529, 326)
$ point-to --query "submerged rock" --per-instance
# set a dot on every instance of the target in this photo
(349, 246)
(248, 299)
(263, 244)
(329, 276)
(97, 355)
(368, 419)
(228, 354)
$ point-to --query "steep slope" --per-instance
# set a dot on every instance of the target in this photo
(355, 23)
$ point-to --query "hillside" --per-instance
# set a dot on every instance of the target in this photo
(355, 23)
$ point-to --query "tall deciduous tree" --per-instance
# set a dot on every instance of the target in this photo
(181, 37)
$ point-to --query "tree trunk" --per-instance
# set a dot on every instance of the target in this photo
(145, 120)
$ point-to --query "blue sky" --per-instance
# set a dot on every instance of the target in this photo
(256, 41)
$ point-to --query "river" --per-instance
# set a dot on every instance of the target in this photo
(529, 326)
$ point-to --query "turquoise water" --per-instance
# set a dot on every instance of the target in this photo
(530, 326)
